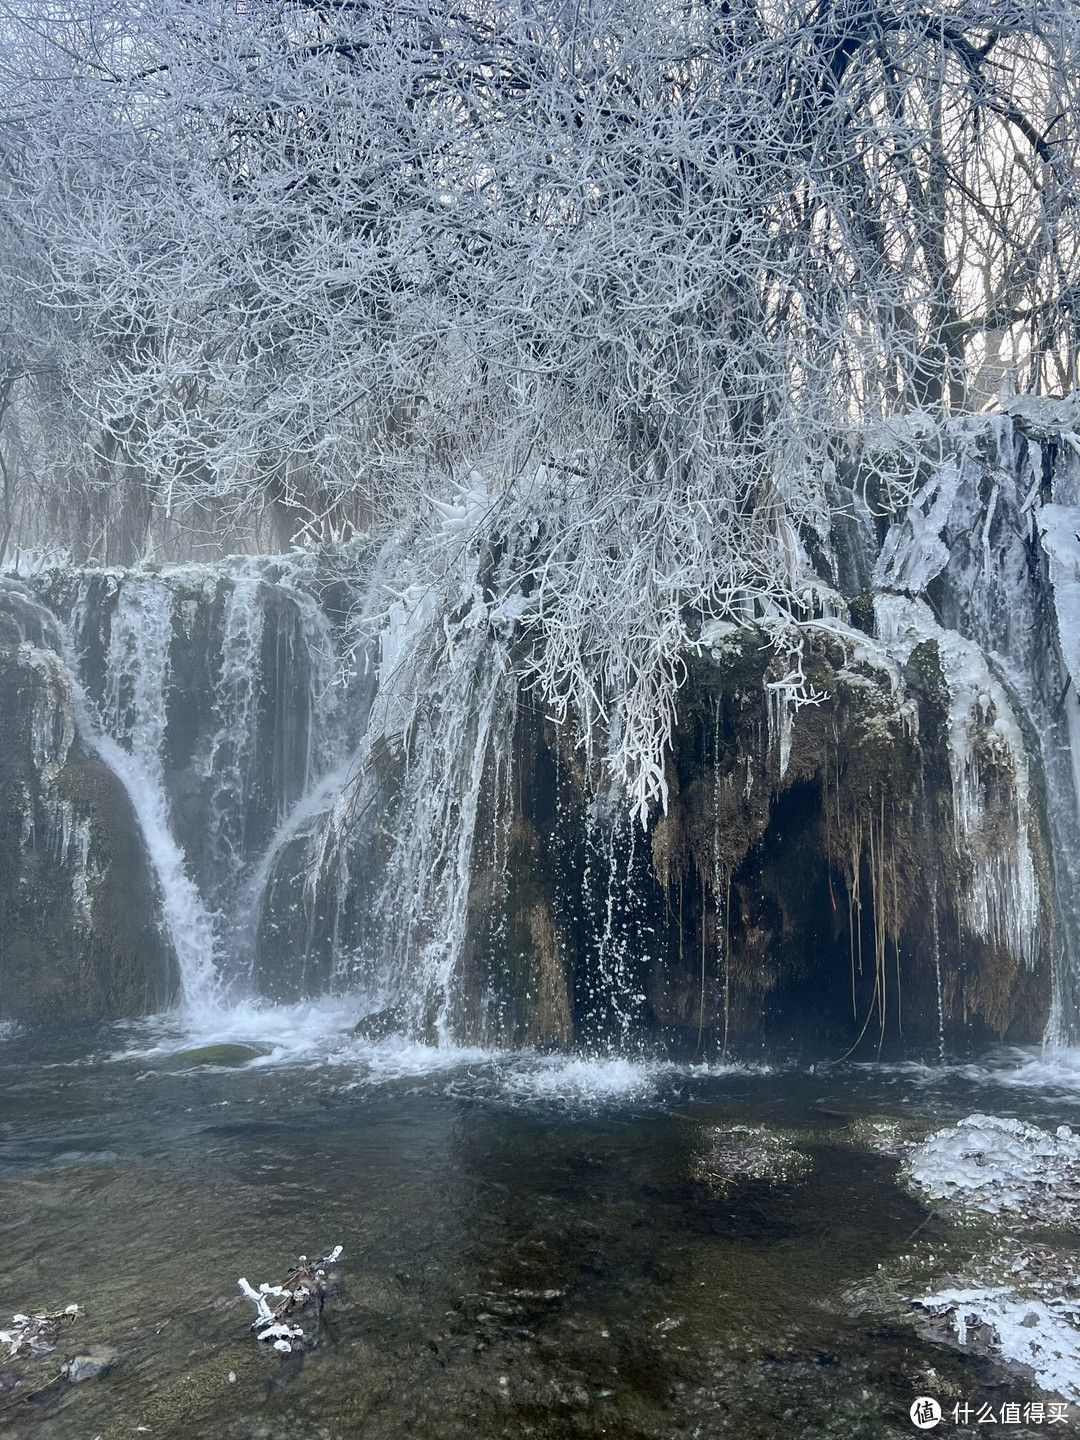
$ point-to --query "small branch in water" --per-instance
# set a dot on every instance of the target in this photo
(925, 1221)
(307, 1281)
(36, 1334)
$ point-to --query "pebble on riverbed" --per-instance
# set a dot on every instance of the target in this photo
(92, 1365)
(309, 1281)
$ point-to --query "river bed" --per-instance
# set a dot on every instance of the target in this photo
(532, 1245)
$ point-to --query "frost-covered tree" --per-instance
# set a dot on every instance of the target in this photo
(584, 300)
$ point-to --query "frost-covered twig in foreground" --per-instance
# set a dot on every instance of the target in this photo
(307, 1282)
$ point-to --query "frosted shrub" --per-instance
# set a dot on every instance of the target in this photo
(650, 271)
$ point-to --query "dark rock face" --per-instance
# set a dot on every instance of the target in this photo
(812, 907)
(80, 936)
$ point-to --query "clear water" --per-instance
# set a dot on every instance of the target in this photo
(527, 1250)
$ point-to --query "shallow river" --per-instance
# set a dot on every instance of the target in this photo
(531, 1245)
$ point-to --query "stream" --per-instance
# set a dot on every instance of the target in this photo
(532, 1245)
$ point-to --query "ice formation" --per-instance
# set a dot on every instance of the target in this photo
(991, 783)
(307, 1281)
(1041, 1334)
(1001, 1167)
(1021, 1175)
(388, 795)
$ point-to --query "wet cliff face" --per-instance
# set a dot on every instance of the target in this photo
(80, 932)
(341, 791)
(830, 905)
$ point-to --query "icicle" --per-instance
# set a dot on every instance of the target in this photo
(1001, 900)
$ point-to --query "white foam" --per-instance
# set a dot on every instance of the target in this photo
(580, 1082)
(1054, 1069)
(318, 1034)
(577, 1079)
(288, 1034)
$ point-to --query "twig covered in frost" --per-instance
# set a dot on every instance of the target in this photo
(307, 1281)
(656, 269)
(36, 1334)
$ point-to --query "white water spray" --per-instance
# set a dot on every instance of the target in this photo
(139, 647)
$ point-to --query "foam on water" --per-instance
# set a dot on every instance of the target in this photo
(318, 1035)
(580, 1081)
(310, 1031)
(576, 1079)
(1052, 1068)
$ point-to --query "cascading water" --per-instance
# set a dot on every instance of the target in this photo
(327, 771)
(211, 694)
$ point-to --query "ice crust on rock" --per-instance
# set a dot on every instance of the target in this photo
(1001, 896)
(1001, 1167)
(1059, 528)
(1038, 1333)
(306, 1282)
(1010, 1304)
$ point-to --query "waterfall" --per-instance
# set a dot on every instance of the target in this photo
(210, 692)
(326, 763)
(138, 656)
(229, 760)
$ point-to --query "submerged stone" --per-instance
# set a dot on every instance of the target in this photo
(381, 1023)
(92, 1365)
